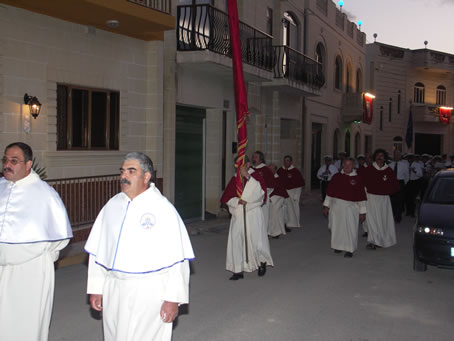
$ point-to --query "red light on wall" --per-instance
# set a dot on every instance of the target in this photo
(445, 114)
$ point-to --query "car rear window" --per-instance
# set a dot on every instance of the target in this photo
(442, 191)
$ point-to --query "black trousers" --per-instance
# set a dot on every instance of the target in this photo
(397, 201)
(411, 192)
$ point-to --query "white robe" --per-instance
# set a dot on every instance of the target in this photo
(139, 251)
(380, 220)
(276, 226)
(34, 227)
(343, 222)
(257, 237)
(292, 204)
(27, 289)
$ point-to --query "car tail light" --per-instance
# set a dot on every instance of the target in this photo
(430, 230)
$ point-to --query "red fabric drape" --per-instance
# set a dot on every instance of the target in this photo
(241, 105)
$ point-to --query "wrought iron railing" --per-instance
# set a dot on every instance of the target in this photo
(158, 5)
(297, 67)
(84, 197)
(204, 27)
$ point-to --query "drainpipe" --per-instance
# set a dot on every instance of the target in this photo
(303, 105)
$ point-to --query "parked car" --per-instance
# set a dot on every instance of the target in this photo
(434, 229)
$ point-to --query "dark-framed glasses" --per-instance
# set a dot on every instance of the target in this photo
(11, 161)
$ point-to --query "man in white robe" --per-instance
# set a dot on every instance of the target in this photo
(258, 248)
(277, 206)
(139, 250)
(345, 206)
(34, 227)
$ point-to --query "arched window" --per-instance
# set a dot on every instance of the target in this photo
(398, 143)
(347, 143)
(336, 143)
(348, 80)
(441, 95)
(419, 93)
(338, 73)
(359, 81)
(357, 143)
(320, 55)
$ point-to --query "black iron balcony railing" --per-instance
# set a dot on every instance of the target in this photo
(204, 27)
(158, 5)
(297, 67)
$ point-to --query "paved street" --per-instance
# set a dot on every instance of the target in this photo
(310, 294)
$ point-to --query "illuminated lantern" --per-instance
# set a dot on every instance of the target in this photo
(368, 107)
(445, 114)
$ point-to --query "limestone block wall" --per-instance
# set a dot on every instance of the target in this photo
(38, 52)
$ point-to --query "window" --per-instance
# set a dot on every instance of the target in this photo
(390, 109)
(87, 118)
(347, 143)
(320, 55)
(348, 88)
(368, 144)
(398, 101)
(338, 73)
(269, 21)
(288, 128)
(419, 93)
(441, 95)
(381, 117)
(442, 191)
(357, 143)
(359, 81)
(398, 143)
(336, 143)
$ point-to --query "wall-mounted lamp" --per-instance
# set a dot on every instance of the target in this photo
(33, 104)
(341, 4)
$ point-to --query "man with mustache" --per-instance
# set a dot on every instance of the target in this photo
(34, 227)
(139, 250)
(381, 182)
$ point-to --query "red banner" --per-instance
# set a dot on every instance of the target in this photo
(241, 105)
(368, 108)
(445, 114)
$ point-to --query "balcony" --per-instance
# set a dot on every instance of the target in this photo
(203, 38)
(435, 61)
(141, 19)
(352, 107)
(425, 113)
(295, 70)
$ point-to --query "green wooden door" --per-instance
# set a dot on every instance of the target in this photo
(189, 161)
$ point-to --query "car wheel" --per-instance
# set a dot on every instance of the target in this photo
(418, 265)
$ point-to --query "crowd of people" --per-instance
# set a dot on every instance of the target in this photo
(373, 192)
(268, 207)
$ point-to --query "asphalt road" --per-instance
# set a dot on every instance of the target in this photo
(310, 294)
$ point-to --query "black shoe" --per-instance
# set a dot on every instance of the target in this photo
(348, 255)
(262, 269)
(236, 276)
(365, 234)
(337, 251)
(371, 246)
(275, 237)
(287, 229)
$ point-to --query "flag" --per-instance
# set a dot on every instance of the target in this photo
(241, 105)
(409, 135)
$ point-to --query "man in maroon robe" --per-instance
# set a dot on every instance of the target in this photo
(293, 181)
(345, 205)
(380, 182)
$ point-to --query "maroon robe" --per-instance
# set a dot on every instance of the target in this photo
(267, 175)
(279, 188)
(230, 190)
(345, 187)
(380, 182)
(291, 178)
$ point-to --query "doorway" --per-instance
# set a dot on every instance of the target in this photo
(190, 162)
(428, 144)
(316, 153)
